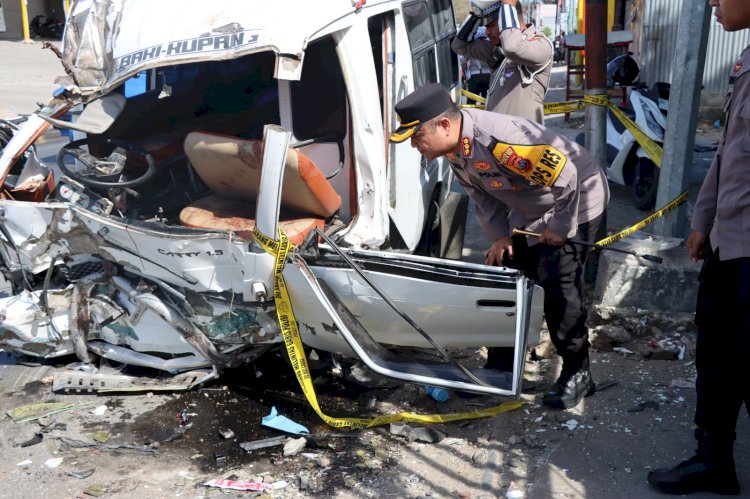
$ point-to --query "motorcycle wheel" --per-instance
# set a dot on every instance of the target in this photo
(646, 184)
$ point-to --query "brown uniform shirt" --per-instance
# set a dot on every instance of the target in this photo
(521, 174)
(519, 84)
(723, 205)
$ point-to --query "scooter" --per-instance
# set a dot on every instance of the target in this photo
(627, 162)
(46, 27)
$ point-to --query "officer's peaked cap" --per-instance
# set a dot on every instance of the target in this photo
(483, 8)
(418, 108)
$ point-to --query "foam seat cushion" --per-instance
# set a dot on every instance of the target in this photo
(231, 167)
(215, 212)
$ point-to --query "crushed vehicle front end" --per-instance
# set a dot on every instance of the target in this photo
(135, 242)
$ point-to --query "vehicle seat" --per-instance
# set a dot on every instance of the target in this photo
(231, 167)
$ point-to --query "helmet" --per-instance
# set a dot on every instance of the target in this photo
(622, 70)
(484, 8)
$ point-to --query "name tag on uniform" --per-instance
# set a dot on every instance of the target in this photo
(540, 164)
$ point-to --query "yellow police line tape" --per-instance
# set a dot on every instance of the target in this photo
(654, 150)
(290, 332)
(649, 219)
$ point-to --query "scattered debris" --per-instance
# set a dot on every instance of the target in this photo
(101, 436)
(263, 443)
(437, 394)
(99, 411)
(26, 462)
(648, 404)
(226, 434)
(78, 381)
(282, 423)
(81, 474)
(37, 438)
(571, 424)
(623, 350)
(247, 486)
(514, 494)
(177, 433)
(419, 434)
(53, 462)
(31, 412)
(606, 385)
(95, 490)
(683, 383)
(78, 444)
(294, 446)
(360, 374)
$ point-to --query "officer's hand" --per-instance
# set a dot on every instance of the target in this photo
(550, 238)
(696, 245)
(498, 250)
(468, 27)
(509, 2)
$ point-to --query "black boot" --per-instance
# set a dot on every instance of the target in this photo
(711, 469)
(574, 383)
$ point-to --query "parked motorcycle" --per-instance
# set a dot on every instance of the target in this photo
(46, 27)
(627, 162)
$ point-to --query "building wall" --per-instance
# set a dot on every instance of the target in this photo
(656, 22)
(12, 14)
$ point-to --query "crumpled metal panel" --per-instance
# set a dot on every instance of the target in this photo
(107, 41)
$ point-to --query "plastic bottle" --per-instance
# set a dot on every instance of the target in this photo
(438, 394)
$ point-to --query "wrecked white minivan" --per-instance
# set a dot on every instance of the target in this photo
(198, 127)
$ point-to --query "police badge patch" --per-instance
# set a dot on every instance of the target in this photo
(539, 163)
(466, 147)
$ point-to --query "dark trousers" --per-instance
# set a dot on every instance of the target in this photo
(722, 317)
(559, 271)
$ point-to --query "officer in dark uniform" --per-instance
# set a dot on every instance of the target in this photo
(721, 237)
(522, 175)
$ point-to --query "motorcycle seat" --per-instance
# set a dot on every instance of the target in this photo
(231, 168)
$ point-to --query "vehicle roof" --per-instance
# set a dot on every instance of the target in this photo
(107, 41)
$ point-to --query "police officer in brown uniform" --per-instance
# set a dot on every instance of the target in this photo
(522, 175)
(721, 237)
(520, 79)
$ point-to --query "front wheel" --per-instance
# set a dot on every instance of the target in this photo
(645, 184)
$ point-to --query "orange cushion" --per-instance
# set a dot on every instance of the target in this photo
(231, 167)
(215, 212)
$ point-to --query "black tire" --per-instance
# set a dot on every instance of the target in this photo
(645, 184)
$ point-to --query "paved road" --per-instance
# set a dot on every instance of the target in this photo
(27, 75)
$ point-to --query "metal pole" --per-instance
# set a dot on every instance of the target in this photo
(596, 77)
(25, 22)
(684, 100)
